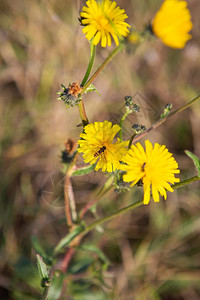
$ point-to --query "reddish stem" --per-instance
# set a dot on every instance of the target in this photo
(68, 256)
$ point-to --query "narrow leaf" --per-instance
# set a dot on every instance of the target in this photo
(68, 238)
(43, 272)
(55, 289)
(96, 250)
(195, 159)
(38, 248)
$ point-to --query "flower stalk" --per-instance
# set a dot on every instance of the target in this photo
(90, 64)
(185, 182)
(122, 121)
(162, 120)
(102, 66)
(85, 230)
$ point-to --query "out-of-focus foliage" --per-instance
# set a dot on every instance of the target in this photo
(151, 253)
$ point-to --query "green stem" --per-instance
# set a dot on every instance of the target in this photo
(45, 293)
(102, 66)
(106, 187)
(81, 106)
(90, 65)
(90, 227)
(134, 205)
(92, 78)
(185, 182)
(122, 121)
(82, 113)
(111, 216)
(161, 121)
(131, 140)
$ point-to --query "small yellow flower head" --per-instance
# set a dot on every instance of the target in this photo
(133, 38)
(103, 19)
(97, 146)
(172, 23)
(155, 167)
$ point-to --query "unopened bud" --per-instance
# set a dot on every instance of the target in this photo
(138, 128)
(167, 109)
(136, 108)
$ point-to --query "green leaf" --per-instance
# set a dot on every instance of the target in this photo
(83, 171)
(195, 159)
(68, 238)
(81, 264)
(55, 289)
(96, 250)
(38, 248)
(91, 88)
(43, 271)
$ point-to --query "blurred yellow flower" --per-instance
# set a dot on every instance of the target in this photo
(155, 167)
(103, 19)
(97, 146)
(133, 38)
(172, 23)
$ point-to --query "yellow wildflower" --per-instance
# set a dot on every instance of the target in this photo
(155, 167)
(172, 23)
(103, 19)
(96, 146)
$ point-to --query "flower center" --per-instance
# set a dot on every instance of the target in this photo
(102, 22)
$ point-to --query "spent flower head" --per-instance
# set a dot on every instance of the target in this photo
(172, 23)
(70, 96)
(155, 167)
(103, 20)
(97, 146)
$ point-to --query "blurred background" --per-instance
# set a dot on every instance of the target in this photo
(152, 252)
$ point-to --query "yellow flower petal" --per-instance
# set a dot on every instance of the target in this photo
(155, 166)
(172, 23)
(97, 146)
(102, 20)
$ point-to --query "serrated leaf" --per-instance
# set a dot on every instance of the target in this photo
(42, 267)
(195, 159)
(91, 88)
(68, 238)
(84, 170)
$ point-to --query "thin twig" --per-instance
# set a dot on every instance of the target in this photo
(161, 121)
(102, 66)
(68, 256)
(70, 207)
(107, 186)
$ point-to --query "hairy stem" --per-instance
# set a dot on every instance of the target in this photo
(91, 226)
(70, 207)
(68, 256)
(82, 111)
(122, 121)
(90, 64)
(45, 293)
(185, 182)
(131, 141)
(112, 216)
(102, 66)
(161, 121)
(106, 187)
